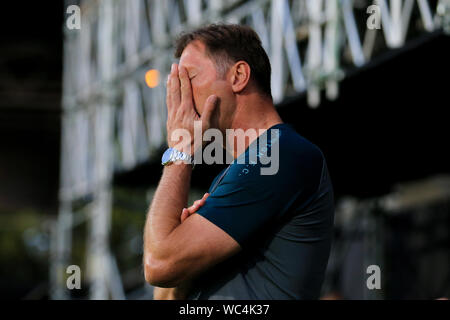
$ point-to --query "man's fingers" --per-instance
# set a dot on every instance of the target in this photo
(205, 196)
(174, 92)
(193, 209)
(197, 204)
(184, 215)
(186, 88)
(210, 105)
(168, 96)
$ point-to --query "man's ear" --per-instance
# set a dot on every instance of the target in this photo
(240, 76)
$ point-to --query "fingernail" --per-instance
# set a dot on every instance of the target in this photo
(173, 67)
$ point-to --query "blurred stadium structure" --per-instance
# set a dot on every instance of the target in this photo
(112, 122)
(410, 226)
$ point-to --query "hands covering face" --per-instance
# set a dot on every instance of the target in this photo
(181, 111)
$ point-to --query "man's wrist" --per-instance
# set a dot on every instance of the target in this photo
(180, 166)
(187, 149)
(174, 155)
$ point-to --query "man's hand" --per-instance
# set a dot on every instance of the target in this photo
(202, 243)
(194, 208)
(181, 111)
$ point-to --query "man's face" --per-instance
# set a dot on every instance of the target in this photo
(205, 81)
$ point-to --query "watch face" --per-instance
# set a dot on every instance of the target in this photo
(167, 156)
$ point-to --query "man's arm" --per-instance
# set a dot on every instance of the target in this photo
(175, 252)
(182, 290)
(168, 202)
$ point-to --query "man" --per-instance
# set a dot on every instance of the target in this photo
(254, 235)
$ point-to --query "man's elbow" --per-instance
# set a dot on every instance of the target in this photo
(160, 273)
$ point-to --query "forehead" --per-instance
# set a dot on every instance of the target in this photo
(194, 55)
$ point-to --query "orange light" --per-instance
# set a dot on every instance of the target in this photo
(152, 78)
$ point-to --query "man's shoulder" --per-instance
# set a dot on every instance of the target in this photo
(282, 155)
(293, 142)
(297, 154)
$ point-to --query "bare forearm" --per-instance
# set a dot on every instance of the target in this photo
(164, 216)
(170, 198)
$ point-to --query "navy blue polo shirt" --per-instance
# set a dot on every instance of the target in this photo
(276, 201)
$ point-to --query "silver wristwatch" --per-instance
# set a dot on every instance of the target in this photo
(171, 155)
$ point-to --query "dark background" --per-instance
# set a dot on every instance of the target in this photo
(30, 103)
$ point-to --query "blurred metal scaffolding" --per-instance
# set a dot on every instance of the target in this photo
(112, 121)
(416, 215)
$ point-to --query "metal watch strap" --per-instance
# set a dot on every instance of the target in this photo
(178, 155)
